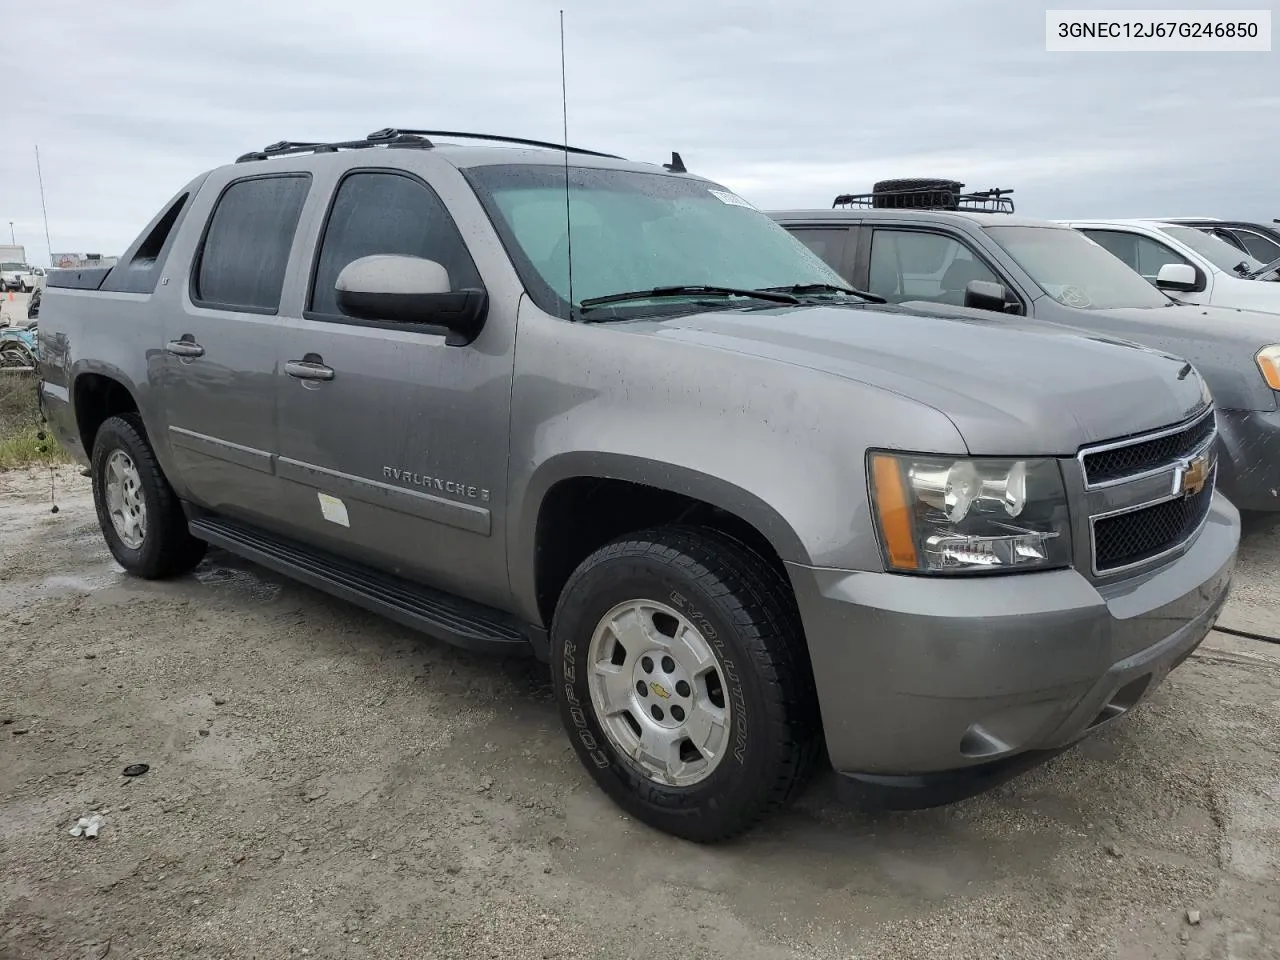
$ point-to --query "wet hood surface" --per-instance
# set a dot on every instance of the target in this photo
(1011, 386)
(1227, 323)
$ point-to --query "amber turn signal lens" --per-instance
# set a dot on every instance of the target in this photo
(1269, 363)
(890, 495)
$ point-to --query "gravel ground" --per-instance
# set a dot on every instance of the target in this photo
(325, 784)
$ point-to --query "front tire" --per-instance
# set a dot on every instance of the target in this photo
(140, 515)
(683, 682)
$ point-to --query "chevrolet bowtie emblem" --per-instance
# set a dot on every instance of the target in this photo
(660, 690)
(1191, 476)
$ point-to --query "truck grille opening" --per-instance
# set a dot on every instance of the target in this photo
(1106, 466)
(1140, 535)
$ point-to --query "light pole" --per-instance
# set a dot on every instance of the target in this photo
(11, 240)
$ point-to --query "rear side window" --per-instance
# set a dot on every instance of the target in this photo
(378, 212)
(246, 248)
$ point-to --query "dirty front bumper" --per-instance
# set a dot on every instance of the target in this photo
(943, 687)
(1249, 458)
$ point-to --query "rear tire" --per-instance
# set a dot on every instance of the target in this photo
(140, 515)
(691, 646)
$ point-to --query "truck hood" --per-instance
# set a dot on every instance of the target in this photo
(1250, 328)
(1242, 294)
(1012, 387)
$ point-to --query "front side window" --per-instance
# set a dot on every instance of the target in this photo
(828, 243)
(917, 265)
(245, 253)
(378, 212)
(634, 231)
(1143, 254)
(1074, 270)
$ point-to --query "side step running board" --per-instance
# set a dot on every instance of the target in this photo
(441, 615)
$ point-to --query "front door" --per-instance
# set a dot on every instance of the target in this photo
(393, 445)
(219, 348)
(915, 264)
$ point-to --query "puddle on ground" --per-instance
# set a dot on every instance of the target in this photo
(84, 584)
(22, 593)
(247, 583)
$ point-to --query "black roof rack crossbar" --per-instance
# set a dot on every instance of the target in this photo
(380, 135)
(995, 200)
(291, 147)
(395, 137)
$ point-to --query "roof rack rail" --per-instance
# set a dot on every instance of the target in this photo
(931, 195)
(380, 135)
(293, 147)
(395, 137)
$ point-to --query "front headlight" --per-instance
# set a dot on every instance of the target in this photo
(1268, 360)
(966, 515)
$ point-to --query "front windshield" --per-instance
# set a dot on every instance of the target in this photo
(12, 266)
(1074, 270)
(1217, 251)
(635, 231)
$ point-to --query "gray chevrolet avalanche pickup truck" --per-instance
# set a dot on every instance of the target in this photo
(750, 517)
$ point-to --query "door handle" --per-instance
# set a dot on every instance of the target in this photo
(308, 369)
(186, 347)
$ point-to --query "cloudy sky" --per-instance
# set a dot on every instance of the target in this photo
(788, 102)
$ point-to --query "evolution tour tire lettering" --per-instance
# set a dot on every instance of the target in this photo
(680, 669)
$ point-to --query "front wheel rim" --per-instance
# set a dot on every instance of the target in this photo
(126, 504)
(659, 692)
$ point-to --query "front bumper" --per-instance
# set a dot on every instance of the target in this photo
(919, 677)
(1249, 458)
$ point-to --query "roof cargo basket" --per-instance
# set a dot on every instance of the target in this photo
(928, 194)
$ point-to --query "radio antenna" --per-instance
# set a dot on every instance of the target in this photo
(44, 209)
(564, 116)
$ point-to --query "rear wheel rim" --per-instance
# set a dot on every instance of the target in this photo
(659, 692)
(126, 505)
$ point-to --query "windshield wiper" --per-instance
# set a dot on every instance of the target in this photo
(661, 293)
(800, 289)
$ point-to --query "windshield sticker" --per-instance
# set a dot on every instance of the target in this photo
(724, 196)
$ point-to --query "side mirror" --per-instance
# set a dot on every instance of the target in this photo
(399, 289)
(1177, 276)
(985, 295)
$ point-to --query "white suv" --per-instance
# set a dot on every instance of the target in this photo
(1187, 263)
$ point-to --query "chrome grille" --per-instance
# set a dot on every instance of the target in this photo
(1147, 496)
(1123, 459)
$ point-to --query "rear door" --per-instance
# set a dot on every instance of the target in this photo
(393, 444)
(219, 349)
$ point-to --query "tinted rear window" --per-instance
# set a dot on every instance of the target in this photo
(246, 249)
